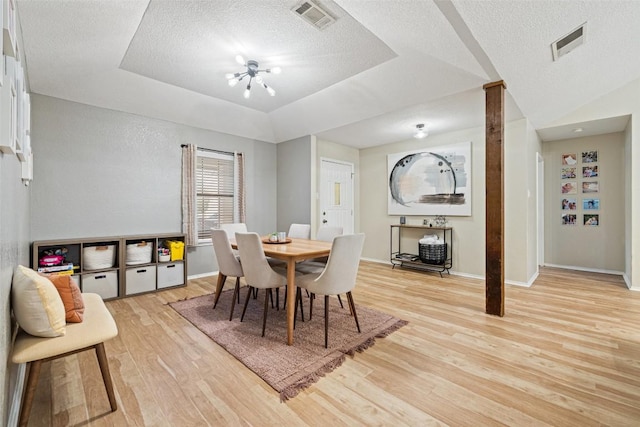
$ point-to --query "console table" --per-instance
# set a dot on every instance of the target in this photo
(411, 258)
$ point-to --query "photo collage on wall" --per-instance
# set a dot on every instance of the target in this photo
(580, 188)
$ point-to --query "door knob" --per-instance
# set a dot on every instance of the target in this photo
(324, 221)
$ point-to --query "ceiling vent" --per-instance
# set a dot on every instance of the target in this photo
(314, 14)
(569, 42)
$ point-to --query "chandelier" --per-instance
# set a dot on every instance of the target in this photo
(254, 74)
(421, 131)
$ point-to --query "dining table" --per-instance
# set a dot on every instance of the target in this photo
(291, 251)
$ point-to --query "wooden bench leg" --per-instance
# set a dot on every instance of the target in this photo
(29, 391)
(106, 376)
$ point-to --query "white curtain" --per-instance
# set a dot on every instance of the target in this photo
(189, 227)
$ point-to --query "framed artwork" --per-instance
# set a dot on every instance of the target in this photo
(569, 219)
(568, 173)
(569, 204)
(431, 181)
(591, 219)
(569, 159)
(590, 204)
(590, 171)
(589, 156)
(569, 187)
(590, 187)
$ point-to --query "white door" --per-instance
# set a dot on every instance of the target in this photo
(336, 194)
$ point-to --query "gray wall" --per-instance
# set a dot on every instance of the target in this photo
(14, 246)
(600, 248)
(100, 172)
(294, 182)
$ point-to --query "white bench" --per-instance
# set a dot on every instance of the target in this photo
(97, 327)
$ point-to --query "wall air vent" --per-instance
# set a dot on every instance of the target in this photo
(314, 14)
(569, 42)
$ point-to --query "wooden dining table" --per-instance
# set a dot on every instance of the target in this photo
(291, 251)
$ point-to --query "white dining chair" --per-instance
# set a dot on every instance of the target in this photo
(228, 265)
(300, 231)
(257, 272)
(316, 265)
(232, 228)
(338, 277)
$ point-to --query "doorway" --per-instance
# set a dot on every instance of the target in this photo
(336, 194)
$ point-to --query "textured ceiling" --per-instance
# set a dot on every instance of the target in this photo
(194, 44)
(365, 80)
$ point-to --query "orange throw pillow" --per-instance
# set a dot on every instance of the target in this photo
(71, 296)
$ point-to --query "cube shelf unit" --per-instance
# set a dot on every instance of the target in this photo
(125, 277)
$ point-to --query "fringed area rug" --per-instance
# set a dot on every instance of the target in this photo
(288, 369)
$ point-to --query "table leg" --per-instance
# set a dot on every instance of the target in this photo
(291, 298)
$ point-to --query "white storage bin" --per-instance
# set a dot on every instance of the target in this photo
(98, 257)
(171, 274)
(139, 253)
(142, 279)
(104, 284)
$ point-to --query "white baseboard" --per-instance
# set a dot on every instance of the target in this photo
(591, 270)
(16, 396)
(467, 275)
(627, 282)
(200, 276)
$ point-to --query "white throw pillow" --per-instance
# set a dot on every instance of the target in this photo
(37, 304)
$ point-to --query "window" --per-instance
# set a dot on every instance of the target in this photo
(215, 191)
(212, 191)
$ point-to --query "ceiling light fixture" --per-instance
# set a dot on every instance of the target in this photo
(421, 131)
(253, 73)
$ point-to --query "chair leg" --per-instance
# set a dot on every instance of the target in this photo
(101, 354)
(295, 310)
(311, 298)
(29, 391)
(278, 299)
(255, 293)
(284, 305)
(219, 286)
(352, 306)
(236, 294)
(299, 298)
(267, 292)
(326, 321)
(271, 297)
(340, 301)
(246, 302)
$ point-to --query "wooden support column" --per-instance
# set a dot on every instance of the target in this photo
(494, 135)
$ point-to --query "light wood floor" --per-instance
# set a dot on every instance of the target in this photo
(567, 353)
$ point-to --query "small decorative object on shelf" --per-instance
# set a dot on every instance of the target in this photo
(441, 220)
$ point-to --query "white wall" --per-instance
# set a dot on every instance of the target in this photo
(469, 232)
(14, 238)
(600, 248)
(534, 147)
(101, 172)
(620, 102)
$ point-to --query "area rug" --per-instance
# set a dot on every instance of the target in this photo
(288, 369)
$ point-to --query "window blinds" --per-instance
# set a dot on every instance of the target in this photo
(214, 192)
